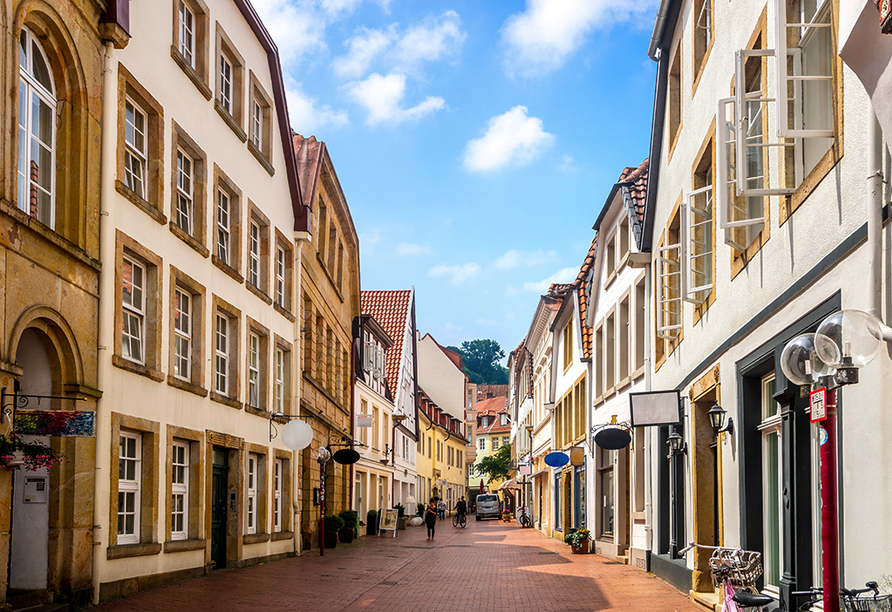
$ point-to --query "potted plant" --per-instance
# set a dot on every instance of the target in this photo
(15, 452)
(420, 510)
(348, 531)
(579, 540)
(506, 515)
(371, 522)
(333, 524)
(400, 516)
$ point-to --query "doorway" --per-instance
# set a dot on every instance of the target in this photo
(219, 487)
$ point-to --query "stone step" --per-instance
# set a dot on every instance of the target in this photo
(624, 559)
(708, 601)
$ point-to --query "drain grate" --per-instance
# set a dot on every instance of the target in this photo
(458, 546)
(548, 552)
(388, 582)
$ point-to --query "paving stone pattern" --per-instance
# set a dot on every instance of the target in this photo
(488, 567)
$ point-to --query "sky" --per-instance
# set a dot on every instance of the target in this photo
(476, 141)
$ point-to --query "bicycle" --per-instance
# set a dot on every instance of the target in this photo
(854, 600)
(735, 571)
(523, 519)
(459, 520)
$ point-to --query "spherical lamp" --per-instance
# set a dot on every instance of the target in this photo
(322, 454)
(297, 434)
(800, 361)
(849, 338)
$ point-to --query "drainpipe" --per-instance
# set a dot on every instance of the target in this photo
(106, 337)
(875, 220)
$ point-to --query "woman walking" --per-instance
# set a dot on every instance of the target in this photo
(430, 518)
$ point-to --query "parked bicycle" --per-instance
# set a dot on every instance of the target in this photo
(523, 519)
(867, 599)
(735, 571)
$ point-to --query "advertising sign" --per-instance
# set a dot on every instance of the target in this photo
(818, 400)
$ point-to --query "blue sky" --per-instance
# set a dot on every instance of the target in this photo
(476, 141)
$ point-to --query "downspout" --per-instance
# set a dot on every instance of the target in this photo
(875, 220)
(106, 289)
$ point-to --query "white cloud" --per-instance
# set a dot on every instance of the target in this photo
(382, 96)
(511, 137)
(368, 240)
(297, 27)
(339, 7)
(565, 275)
(363, 49)
(514, 259)
(406, 248)
(307, 116)
(456, 274)
(567, 165)
(430, 40)
(541, 38)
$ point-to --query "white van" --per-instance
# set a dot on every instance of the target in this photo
(487, 506)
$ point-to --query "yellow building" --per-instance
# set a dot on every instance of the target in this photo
(442, 443)
(493, 432)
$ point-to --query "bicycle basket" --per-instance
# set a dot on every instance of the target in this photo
(740, 567)
(868, 603)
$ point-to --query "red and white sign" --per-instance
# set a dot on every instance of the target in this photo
(818, 401)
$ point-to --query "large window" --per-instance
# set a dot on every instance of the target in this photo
(278, 478)
(224, 227)
(222, 354)
(129, 479)
(253, 471)
(280, 381)
(37, 132)
(254, 255)
(605, 487)
(254, 370)
(179, 477)
(186, 26)
(772, 457)
(136, 148)
(182, 324)
(225, 84)
(134, 310)
(185, 195)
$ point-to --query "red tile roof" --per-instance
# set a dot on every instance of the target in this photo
(491, 406)
(391, 310)
(582, 295)
(636, 181)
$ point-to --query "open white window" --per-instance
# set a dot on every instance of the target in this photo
(669, 290)
(698, 230)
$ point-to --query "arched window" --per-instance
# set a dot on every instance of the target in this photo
(37, 131)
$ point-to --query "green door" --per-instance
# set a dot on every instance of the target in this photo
(218, 509)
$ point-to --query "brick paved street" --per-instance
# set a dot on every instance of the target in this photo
(488, 567)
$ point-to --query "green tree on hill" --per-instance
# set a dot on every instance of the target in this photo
(495, 467)
(481, 360)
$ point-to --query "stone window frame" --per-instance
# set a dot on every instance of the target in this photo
(257, 95)
(152, 204)
(263, 335)
(284, 244)
(151, 366)
(198, 73)
(701, 39)
(149, 503)
(226, 49)
(234, 316)
(256, 215)
(180, 140)
(196, 382)
(286, 528)
(261, 531)
(281, 344)
(222, 182)
(195, 439)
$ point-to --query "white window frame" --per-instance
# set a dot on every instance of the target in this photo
(494, 443)
(225, 80)
(185, 191)
(257, 123)
(665, 329)
(254, 370)
(182, 325)
(254, 254)
(179, 489)
(221, 351)
(693, 218)
(133, 312)
(135, 147)
(771, 425)
(224, 226)
(481, 443)
(251, 498)
(278, 479)
(187, 33)
(129, 487)
(280, 276)
(280, 380)
(29, 86)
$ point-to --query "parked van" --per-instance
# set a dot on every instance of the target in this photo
(487, 506)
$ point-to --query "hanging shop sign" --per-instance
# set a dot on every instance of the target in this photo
(655, 408)
(557, 459)
(61, 423)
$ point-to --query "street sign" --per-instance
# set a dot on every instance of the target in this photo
(818, 401)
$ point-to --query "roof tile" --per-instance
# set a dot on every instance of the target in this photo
(391, 311)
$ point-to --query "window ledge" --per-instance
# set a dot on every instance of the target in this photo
(259, 293)
(122, 551)
(264, 161)
(257, 411)
(173, 381)
(182, 545)
(199, 248)
(622, 384)
(228, 401)
(285, 313)
(231, 121)
(199, 82)
(229, 270)
(281, 535)
(141, 203)
(255, 538)
(137, 368)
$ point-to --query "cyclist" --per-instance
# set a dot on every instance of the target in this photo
(461, 506)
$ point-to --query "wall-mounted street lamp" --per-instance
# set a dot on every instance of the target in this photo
(717, 416)
(677, 444)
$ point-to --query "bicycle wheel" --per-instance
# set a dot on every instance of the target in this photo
(525, 521)
(463, 521)
(455, 520)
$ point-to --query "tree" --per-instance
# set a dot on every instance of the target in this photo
(495, 466)
(481, 360)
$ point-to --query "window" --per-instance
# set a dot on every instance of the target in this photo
(599, 367)
(37, 132)
(669, 281)
(624, 338)
(259, 253)
(129, 479)
(256, 124)
(605, 484)
(280, 381)
(699, 220)
(703, 35)
(179, 506)
(135, 154)
(134, 310)
(254, 371)
(505, 441)
(503, 419)
(225, 84)
(189, 188)
(567, 344)
(280, 277)
(230, 84)
(610, 351)
(674, 98)
(772, 481)
(226, 350)
(184, 194)
(222, 354)
(375, 423)
(260, 142)
(495, 443)
(182, 323)
(227, 239)
(254, 255)
(224, 228)
(251, 512)
(190, 42)
(278, 477)
(186, 43)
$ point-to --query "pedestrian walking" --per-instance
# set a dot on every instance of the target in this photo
(430, 519)
(441, 509)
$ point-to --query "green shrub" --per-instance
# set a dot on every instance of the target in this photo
(400, 510)
(350, 518)
(420, 510)
(334, 523)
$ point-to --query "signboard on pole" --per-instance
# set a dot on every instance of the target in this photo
(818, 401)
(388, 520)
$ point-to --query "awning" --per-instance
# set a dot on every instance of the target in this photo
(540, 472)
(510, 484)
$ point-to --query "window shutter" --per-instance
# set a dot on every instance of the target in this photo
(804, 71)
(368, 355)
(669, 290)
(698, 241)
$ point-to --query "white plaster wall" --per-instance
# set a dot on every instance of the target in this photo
(440, 378)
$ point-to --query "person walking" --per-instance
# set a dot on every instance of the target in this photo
(441, 509)
(430, 519)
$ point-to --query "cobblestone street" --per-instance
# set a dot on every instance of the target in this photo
(488, 567)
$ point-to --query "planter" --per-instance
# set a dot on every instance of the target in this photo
(346, 535)
(371, 524)
(331, 539)
(582, 549)
(401, 522)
